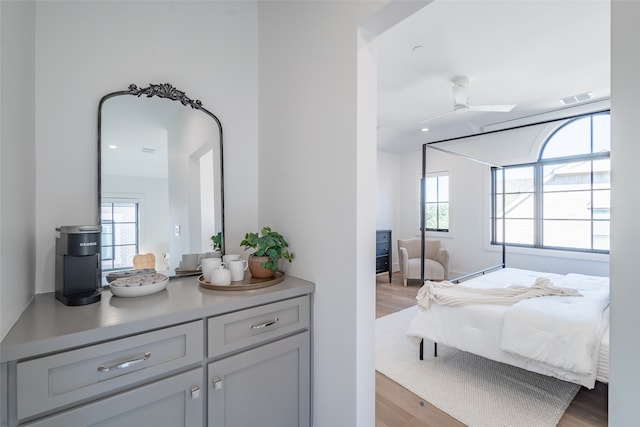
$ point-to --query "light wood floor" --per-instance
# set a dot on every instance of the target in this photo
(398, 407)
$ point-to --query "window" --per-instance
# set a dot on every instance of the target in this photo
(436, 206)
(562, 200)
(119, 220)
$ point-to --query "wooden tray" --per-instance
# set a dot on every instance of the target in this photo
(249, 282)
(185, 272)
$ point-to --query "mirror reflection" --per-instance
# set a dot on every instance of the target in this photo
(161, 182)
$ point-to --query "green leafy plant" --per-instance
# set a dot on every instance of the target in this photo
(268, 243)
(216, 241)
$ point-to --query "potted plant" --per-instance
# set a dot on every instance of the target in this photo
(216, 242)
(269, 247)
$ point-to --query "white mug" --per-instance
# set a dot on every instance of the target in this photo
(230, 257)
(209, 265)
(237, 268)
(190, 261)
(221, 276)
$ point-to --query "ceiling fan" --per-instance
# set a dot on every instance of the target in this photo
(461, 101)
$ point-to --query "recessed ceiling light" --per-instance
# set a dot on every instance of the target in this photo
(112, 146)
(425, 129)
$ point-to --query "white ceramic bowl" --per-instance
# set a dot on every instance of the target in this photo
(144, 285)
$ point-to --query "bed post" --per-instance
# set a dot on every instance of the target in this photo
(435, 349)
(504, 222)
(423, 213)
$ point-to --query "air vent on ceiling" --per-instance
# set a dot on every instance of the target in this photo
(574, 99)
(148, 150)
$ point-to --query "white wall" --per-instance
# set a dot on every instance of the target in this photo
(17, 168)
(308, 155)
(388, 202)
(87, 49)
(625, 232)
(192, 135)
(409, 193)
(317, 181)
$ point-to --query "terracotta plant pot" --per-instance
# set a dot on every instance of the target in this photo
(257, 270)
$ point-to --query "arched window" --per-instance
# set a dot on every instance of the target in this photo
(562, 200)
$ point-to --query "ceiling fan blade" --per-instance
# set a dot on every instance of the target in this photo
(493, 108)
(437, 116)
(461, 101)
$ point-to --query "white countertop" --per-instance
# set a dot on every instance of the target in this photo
(48, 326)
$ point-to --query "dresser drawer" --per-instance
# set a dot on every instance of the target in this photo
(382, 250)
(61, 379)
(171, 402)
(245, 328)
(383, 237)
(382, 264)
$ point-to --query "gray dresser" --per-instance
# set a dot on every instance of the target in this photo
(186, 356)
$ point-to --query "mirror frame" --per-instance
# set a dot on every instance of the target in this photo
(167, 91)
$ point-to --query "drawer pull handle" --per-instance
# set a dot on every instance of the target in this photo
(195, 393)
(265, 324)
(124, 364)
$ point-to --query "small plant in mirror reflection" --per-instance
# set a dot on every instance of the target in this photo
(216, 241)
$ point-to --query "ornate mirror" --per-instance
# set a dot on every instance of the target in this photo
(160, 177)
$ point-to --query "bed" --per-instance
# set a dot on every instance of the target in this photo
(566, 337)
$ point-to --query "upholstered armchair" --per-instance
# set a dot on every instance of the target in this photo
(436, 263)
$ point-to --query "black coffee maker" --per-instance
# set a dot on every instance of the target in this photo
(78, 264)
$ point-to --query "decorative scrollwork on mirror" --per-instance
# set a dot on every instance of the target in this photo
(160, 176)
(166, 90)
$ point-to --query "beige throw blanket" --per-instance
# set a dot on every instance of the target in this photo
(447, 293)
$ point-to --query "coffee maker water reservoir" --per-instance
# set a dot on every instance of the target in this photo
(78, 264)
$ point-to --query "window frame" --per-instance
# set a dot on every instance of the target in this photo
(423, 210)
(539, 193)
(112, 201)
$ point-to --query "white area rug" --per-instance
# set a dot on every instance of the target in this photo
(476, 391)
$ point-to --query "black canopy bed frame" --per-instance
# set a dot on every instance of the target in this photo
(433, 146)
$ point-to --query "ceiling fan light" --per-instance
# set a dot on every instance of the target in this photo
(460, 108)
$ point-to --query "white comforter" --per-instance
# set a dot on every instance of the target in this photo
(559, 331)
(557, 337)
